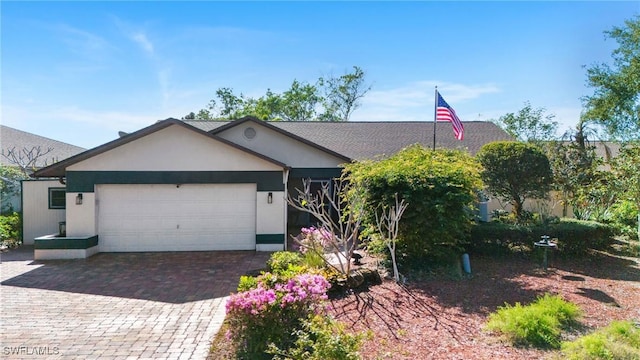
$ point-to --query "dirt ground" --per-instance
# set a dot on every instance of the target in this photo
(442, 316)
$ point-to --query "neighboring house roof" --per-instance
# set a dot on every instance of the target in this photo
(58, 169)
(368, 140)
(11, 138)
(606, 150)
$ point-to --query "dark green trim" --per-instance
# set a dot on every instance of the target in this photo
(315, 173)
(49, 191)
(270, 239)
(66, 243)
(85, 181)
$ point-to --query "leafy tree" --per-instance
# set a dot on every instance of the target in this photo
(10, 177)
(529, 124)
(343, 94)
(268, 107)
(615, 103)
(232, 105)
(626, 167)
(578, 174)
(189, 116)
(299, 103)
(329, 99)
(575, 168)
(515, 171)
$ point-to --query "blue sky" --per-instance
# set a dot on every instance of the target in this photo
(79, 72)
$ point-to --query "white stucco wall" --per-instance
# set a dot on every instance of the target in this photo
(175, 148)
(81, 219)
(550, 207)
(270, 217)
(279, 147)
(37, 219)
(64, 254)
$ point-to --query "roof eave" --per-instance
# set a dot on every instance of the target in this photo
(59, 169)
(281, 131)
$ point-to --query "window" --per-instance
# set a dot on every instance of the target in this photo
(57, 198)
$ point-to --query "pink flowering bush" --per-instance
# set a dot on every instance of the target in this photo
(313, 239)
(272, 312)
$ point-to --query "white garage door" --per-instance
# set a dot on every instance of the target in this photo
(189, 217)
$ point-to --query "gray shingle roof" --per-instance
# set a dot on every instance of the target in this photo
(368, 140)
(11, 138)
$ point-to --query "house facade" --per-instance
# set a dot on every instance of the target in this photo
(203, 186)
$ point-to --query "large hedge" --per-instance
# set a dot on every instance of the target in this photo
(574, 236)
(439, 186)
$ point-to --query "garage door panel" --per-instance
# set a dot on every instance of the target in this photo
(191, 217)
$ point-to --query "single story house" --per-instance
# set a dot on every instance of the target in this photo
(182, 185)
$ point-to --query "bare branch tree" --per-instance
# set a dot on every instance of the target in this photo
(387, 222)
(26, 159)
(339, 216)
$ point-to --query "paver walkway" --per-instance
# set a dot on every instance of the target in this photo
(112, 306)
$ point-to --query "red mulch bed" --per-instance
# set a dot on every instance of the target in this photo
(441, 317)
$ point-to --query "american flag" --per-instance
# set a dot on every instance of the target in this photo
(444, 112)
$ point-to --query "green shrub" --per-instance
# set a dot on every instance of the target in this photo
(440, 188)
(10, 230)
(320, 338)
(499, 238)
(624, 218)
(281, 260)
(574, 236)
(247, 283)
(620, 340)
(538, 324)
(313, 259)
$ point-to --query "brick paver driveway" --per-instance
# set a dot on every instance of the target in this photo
(129, 305)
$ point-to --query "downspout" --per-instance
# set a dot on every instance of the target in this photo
(285, 179)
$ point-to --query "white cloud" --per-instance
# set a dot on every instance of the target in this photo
(136, 34)
(461, 92)
(141, 39)
(158, 61)
(84, 43)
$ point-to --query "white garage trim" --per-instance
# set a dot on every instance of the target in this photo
(172, 217)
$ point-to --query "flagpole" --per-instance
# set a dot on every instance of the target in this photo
(435, 111)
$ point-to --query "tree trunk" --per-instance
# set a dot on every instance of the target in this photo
(517, 207)
(396, 274)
